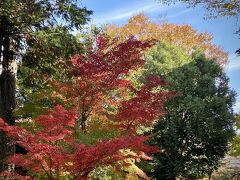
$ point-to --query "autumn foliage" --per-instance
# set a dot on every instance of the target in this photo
(97, 91)
(184, 36)
(53, 152)
(98, 85)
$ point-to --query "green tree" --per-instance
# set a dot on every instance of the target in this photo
(195, 133)
(25, 26)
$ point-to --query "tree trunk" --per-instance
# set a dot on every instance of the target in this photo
(7, 85)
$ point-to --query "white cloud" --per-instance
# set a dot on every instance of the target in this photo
(234, 63)
(127, 12)
(179, 13)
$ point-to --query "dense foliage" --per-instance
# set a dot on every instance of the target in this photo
(202, 92)
(53, 153)
(78, 106)
(184, 36)
(194, 136)
(96, 92)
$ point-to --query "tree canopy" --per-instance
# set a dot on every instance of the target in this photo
(194, 135)
(184, 36)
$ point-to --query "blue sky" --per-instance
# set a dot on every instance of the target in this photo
(223, 29)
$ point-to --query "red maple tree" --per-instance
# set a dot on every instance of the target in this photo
(98, 82)
(53, 152)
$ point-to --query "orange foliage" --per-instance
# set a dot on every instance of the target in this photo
(185, 36)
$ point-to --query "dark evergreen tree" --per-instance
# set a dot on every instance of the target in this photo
(195, 133)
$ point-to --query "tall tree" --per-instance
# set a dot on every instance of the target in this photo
(183, 36)
(19, 21)
(96, 92)
(195, 133)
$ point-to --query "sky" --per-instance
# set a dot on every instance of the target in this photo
(222, 29)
